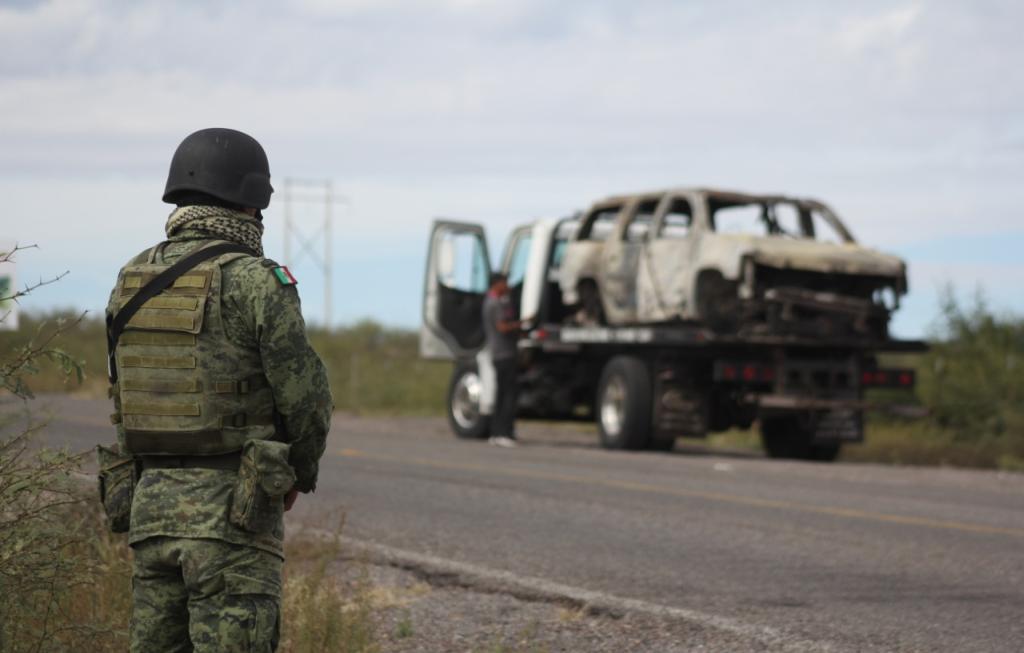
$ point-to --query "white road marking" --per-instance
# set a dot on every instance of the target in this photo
(464, 574)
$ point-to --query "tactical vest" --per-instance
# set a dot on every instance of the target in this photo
(184, 387)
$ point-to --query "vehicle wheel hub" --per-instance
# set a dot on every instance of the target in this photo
(613, 406)
(466, 400)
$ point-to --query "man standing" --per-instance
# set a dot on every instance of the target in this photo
(221, 406)
(502, 335)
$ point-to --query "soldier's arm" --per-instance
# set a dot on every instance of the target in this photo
(295, 372)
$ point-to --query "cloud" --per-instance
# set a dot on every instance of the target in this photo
(906, 118)
(858, 33)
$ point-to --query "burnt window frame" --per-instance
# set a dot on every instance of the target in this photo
(595, 213)
(666, 210)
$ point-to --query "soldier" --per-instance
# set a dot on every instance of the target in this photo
(221, 405)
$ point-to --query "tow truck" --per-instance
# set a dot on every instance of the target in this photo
(645, 385)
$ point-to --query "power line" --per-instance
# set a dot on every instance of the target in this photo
(312, 191)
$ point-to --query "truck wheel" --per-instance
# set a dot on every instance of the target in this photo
(661, 444)
(624, 404)
(825, 453)
(464, 405)
(787, 437)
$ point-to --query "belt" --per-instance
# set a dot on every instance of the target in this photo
(229, 461)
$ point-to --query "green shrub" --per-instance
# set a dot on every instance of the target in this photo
(372, 369)
(375, 369)
(318, 616)
(63, 580)
(972, 380)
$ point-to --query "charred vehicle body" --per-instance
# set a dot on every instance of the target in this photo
(670, 325)
(735, 262)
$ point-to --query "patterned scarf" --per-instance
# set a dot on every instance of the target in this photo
(225, 224)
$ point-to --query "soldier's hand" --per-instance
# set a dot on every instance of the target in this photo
(289, 499)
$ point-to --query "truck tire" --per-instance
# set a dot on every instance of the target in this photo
(661, 444)
(464, 415)
(825, 452)
(787, 437)
(623, 407)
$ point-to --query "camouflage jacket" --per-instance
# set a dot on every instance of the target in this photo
(261, 314)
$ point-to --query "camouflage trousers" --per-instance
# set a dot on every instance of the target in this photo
(204, 595)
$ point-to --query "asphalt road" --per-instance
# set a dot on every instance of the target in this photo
(848, 557)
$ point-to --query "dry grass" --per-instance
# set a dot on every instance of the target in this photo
(65, 581)
(570, 615)
(71, 594)
(72, 591)
(921, 443)
(320, 614)
(894, 442)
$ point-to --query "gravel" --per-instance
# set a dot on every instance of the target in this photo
(423, 614)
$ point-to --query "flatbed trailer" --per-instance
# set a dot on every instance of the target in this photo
(647, 385)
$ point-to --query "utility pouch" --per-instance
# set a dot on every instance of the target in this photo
(117, 479)
(264, 477)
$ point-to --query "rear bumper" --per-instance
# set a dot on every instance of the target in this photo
(789, 403)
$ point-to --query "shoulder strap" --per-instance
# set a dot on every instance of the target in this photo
(162, 281)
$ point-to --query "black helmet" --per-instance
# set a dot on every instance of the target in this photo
(224, 163)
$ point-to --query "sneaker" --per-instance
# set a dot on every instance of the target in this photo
(502, 441)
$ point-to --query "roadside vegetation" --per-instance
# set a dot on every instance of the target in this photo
(65, 580)
(378, 370)
(373, 369)
(970, 384)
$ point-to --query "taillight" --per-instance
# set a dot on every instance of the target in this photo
(887, 378)
(745, 372)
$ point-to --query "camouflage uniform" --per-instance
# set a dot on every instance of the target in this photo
(200, 582)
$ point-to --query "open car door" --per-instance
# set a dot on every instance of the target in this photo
(457, 277)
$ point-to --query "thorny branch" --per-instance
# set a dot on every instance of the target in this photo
(8, 257)
(12, 370)
(47, 537)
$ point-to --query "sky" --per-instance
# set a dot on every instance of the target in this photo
(906, 117)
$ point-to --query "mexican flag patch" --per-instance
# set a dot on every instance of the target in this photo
(284, 276)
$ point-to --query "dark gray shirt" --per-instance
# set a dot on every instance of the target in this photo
(499, 309)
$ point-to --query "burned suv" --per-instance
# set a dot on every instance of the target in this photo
(736, 262)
